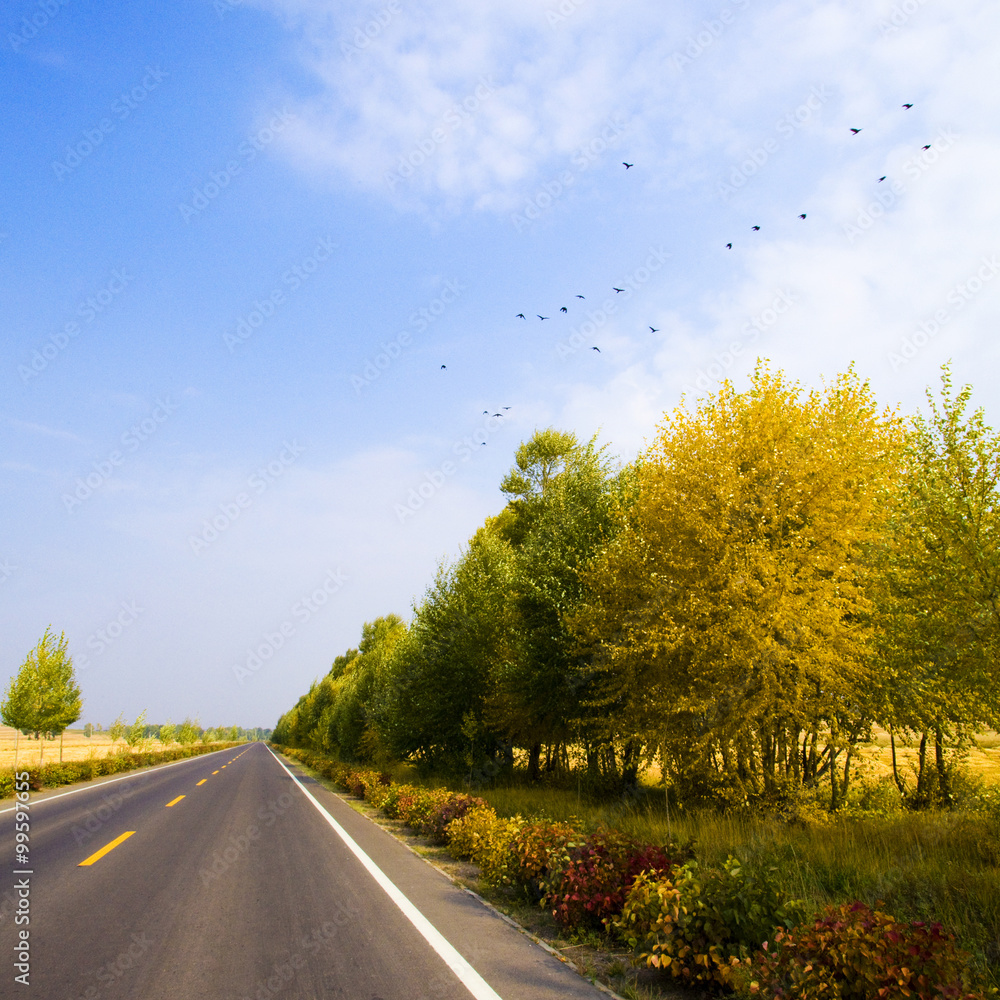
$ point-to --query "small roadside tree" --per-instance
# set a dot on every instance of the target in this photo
(44, 697)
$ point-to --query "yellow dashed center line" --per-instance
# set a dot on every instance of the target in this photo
(215, 772)
(203, 780)
(179, 797)
(104, 850)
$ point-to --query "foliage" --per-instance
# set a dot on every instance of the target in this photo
(853, 952)
(703, 925)
(588, 881)
(44, 697)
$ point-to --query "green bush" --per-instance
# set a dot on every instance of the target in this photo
(703, 926)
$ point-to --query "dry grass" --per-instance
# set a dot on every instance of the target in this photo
(75, 746)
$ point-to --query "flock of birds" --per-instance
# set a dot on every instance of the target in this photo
(729, 246)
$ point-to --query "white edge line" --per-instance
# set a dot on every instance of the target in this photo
(130, 774)
(470, 979)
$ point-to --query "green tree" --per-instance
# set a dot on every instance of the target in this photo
(117, 729)
(188, 732)
(560, 499)
(168, 733)
(44, 696)
(88, 730)
(942, 610)
(135, 735)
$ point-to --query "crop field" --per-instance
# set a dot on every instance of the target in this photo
(75, 746)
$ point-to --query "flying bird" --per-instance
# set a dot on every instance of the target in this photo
(563, 309)
(627, 166)
(596, 349)
(803, 215)
(486, 413)
(907, 105)
(541, 317)
(654, 329)
(729, 246)
(756, 229)
(444, 366)
(855, 131)
(581, 296)
(520, 316)
(928, 146)
(497, 414)
(881, 179)
(618, 289)
(506, 407)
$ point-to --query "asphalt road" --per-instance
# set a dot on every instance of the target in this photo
(232, 883)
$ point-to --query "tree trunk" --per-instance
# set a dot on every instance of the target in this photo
(921, 774)
(895, 772)
(942, 772)
(534, 755)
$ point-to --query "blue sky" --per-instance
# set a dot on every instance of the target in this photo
(240, 239)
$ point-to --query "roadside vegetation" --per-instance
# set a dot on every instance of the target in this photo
(774, 636)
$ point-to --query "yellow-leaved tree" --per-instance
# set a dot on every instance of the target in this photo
(730, 618)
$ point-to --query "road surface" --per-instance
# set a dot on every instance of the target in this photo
(233, 875)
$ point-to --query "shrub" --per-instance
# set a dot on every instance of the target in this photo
(704, 927)
(532, 849)
(853, 952)
(587, 884)
(455, 806)
(483, 837)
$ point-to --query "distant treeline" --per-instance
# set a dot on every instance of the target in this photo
(779, 572)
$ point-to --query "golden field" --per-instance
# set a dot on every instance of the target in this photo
(75, 746)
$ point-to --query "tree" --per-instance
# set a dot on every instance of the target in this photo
(168, 732)
(117, 729)
(135, 735)
(188, 732)
(942, 608)
(88, 730)
(732, 625)
(44, 697)
(561, 495)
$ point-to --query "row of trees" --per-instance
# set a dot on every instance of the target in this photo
(778, 573)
